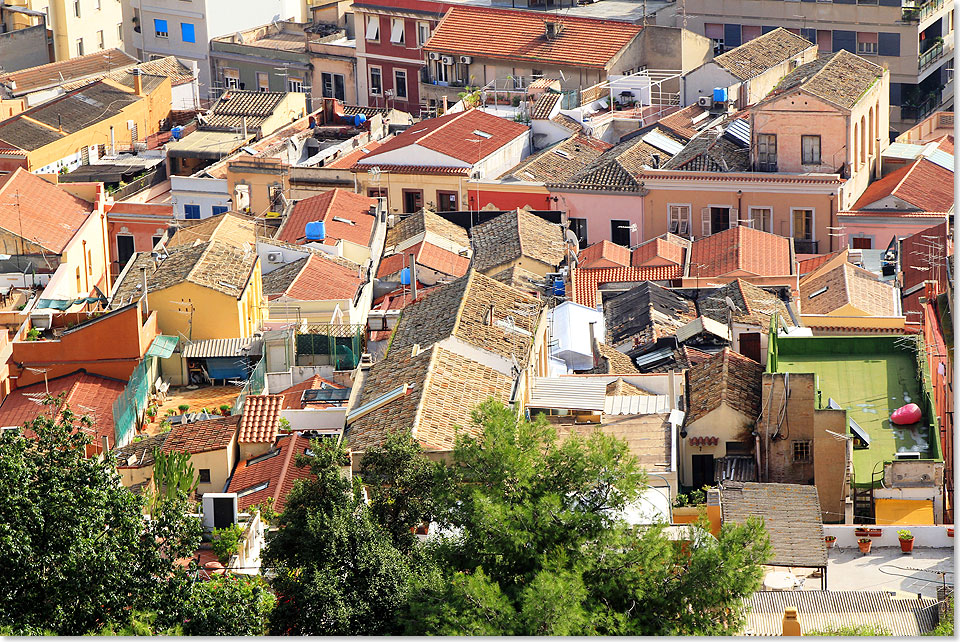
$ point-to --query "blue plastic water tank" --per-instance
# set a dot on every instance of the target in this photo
(720, 94)
(316, 230)
(405, 276)
(559, 288)
(176, 132)
(359, 119)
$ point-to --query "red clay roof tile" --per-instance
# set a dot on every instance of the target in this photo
(53, 215)
(604, 254)
(429, 256)
(923, 184)
(328, 207)
(261, 419)
(584, 283)
(279, 472)
(741, 250)
(202, 436)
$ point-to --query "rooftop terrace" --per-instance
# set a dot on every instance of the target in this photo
(869, 377)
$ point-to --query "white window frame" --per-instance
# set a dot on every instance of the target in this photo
(733, 215)
(231, 81)
(753, 219)
(295, 84)
(101, 39)
(372, 30)
(420, 33)
(442, 72)
(396, 83)
(261, 75)
(398, 31)
(81, 50)
(867, 48)
(813, 222)
(376, 91)
(679, 219)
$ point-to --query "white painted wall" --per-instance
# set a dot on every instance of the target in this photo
(923, 536)
(316, 418)
(205, 192)
(702, 81)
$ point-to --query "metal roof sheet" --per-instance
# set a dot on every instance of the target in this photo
(568, 393)
(637, 405)
(663, 143)
(213, 348)
(162, 346)
(739, 132)
(903, 150)
(703, 324)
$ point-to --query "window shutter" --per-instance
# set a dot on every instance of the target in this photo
(888, 44)
(373, 27)
(734, 217)
(843, 39)
(731, 36)
(705, 220)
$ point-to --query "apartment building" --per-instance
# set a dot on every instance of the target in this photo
(913, 38)
(185, 28)
(79, 27)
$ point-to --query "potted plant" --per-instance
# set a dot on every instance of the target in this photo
(830, 540)
(906, 540)
(152, 413)
(224, 409)
(864, 543)
(183, 408)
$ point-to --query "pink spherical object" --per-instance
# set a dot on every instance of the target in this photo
(909, 414)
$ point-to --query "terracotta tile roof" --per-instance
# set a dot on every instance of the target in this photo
(946, 144)
(429, 256)
(453, 135)
(202, 436)
(569, 123)
(681, 122)
(426, 221)
(842, 79)
(807, 266)
(544, 106)
(584, 283)
(279, 472)
(923, 185)
(235, 105)
(559, 162)
(603, 254)
(616, 169)
(645, 314)
(139, 454)
(611, 361)
(506, 34)
(462, 310)
(55, 73)
(328, 207)
(314, 278)
(523, 280)
(648, 437)
(446, 388)
(232, 228)
(729, 379)
(516, 234)
(350, 159)
(293, 396)
(53, 215)
(756, 56)
(168, 67)
(429, 170)
(755, 306)
(741, 250)
(625, 389)
(261, 418)
(668, 249)
(847, 285)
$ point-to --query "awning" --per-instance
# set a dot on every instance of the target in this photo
(568, 393)
(217, 348)
(904, 512)
(162, 346)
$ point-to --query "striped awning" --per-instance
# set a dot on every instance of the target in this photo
(637, 404)
(218, 348)
(162, 346)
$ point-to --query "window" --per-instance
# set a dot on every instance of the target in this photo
(679, 219)
(100, 40)
(97, 5)
(295, 85)
(204, 475)
(811, 149)
(263, 81)
(191, 210)
(254, 489)
(333, 86)
(231, 79)
(825, 40)
(803, 224)
(400, 83)
(90, 262)
(412, 200)
(79, 46)
(579, 227)
(802, 451)
(220, 209)
(867, 43)
(761, 218)
(120, 31)
(620, 232)
(125, 249)
(76, 8)
(373, 28)
(423, 33)
(78, 279)
(442, 72)
(397, 35)
(376, 81)
(160, 28)
(154, 240)
(188, 32)
(767, 152)
(446, 201)
(715, 33)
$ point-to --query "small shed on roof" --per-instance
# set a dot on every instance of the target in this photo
(791, 514)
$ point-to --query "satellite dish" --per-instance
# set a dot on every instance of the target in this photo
(731, 304)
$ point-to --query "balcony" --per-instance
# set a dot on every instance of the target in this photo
(931, 55)
(921, 110)
(806, 246)
(918, 11)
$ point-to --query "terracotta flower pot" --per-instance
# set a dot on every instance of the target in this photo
(864, 545)
(906, 545)
(830, 541)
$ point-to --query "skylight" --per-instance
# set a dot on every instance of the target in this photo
(477, 132)
(253, 489)
(343, 220)
(818, 292)
(561, 153)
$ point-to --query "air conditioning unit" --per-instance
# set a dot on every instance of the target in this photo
(705, 101)
(433, 55)
(275, 257)
(448, 60)
(466, 59)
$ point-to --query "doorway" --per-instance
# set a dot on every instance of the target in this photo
(702, 470)
(719, 219)
(124, 249)
(412, 200)
(750, 345)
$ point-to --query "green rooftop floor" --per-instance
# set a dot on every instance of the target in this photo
(869, 388)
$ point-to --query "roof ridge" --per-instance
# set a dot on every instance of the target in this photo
(427, 376)
(291, 449)
(746, 303)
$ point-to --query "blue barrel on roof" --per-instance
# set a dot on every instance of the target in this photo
(405, 276)
(359, 119)
(316, 230)
(719, 94)
(176, 132)
(559, 288)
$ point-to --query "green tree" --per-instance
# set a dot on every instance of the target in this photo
(538, 545)
(75, 549)
(337, 570)
(402, 484)
(227, 605)
(945, 626)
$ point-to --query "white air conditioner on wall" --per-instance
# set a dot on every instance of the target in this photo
(433, 55)
(466, 59)
(275, 257)
(448, 60)
(705, 101)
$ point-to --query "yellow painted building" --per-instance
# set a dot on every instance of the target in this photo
(80, 26)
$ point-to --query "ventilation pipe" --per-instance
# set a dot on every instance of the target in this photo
(413, 277)
(593, 346)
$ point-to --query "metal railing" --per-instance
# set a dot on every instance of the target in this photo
(805, 246)
(131, 404)
(921, 111)
(254, 386)
(148, 180)
(917, 11)
(930, 56)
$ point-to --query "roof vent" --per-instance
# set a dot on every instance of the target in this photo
(482, 134)
(553, 28)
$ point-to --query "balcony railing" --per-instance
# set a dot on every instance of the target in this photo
(916, 11)
(930, 56)
(921, 111)
(805, 246)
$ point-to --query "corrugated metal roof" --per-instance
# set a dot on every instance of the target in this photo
(662, 143)
(568, 393)
(739, 132)
(902, 150)
(939, 157)
(162, 346)
(736, 468)
(637, 405)
(819, 610)
(213, 348)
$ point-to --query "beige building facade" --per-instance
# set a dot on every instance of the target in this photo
(80, 27)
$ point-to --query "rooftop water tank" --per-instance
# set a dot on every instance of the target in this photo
(719, 94)
(405, 276)
(559, 287)
(316, 230)
(176, 132)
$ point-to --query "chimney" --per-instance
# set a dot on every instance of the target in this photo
(672, 389)
(243, 120)
(593, 346)
(143, 275)
(552, 28)
(488, 317)
(791, 623)
(879, 161)
(137, 81)
(656, 160)
(413, 277)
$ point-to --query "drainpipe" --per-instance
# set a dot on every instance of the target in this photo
(413, 277)
(833, 224)
(672, 390)
(86, 268)
(143, 276)
(879, 164)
